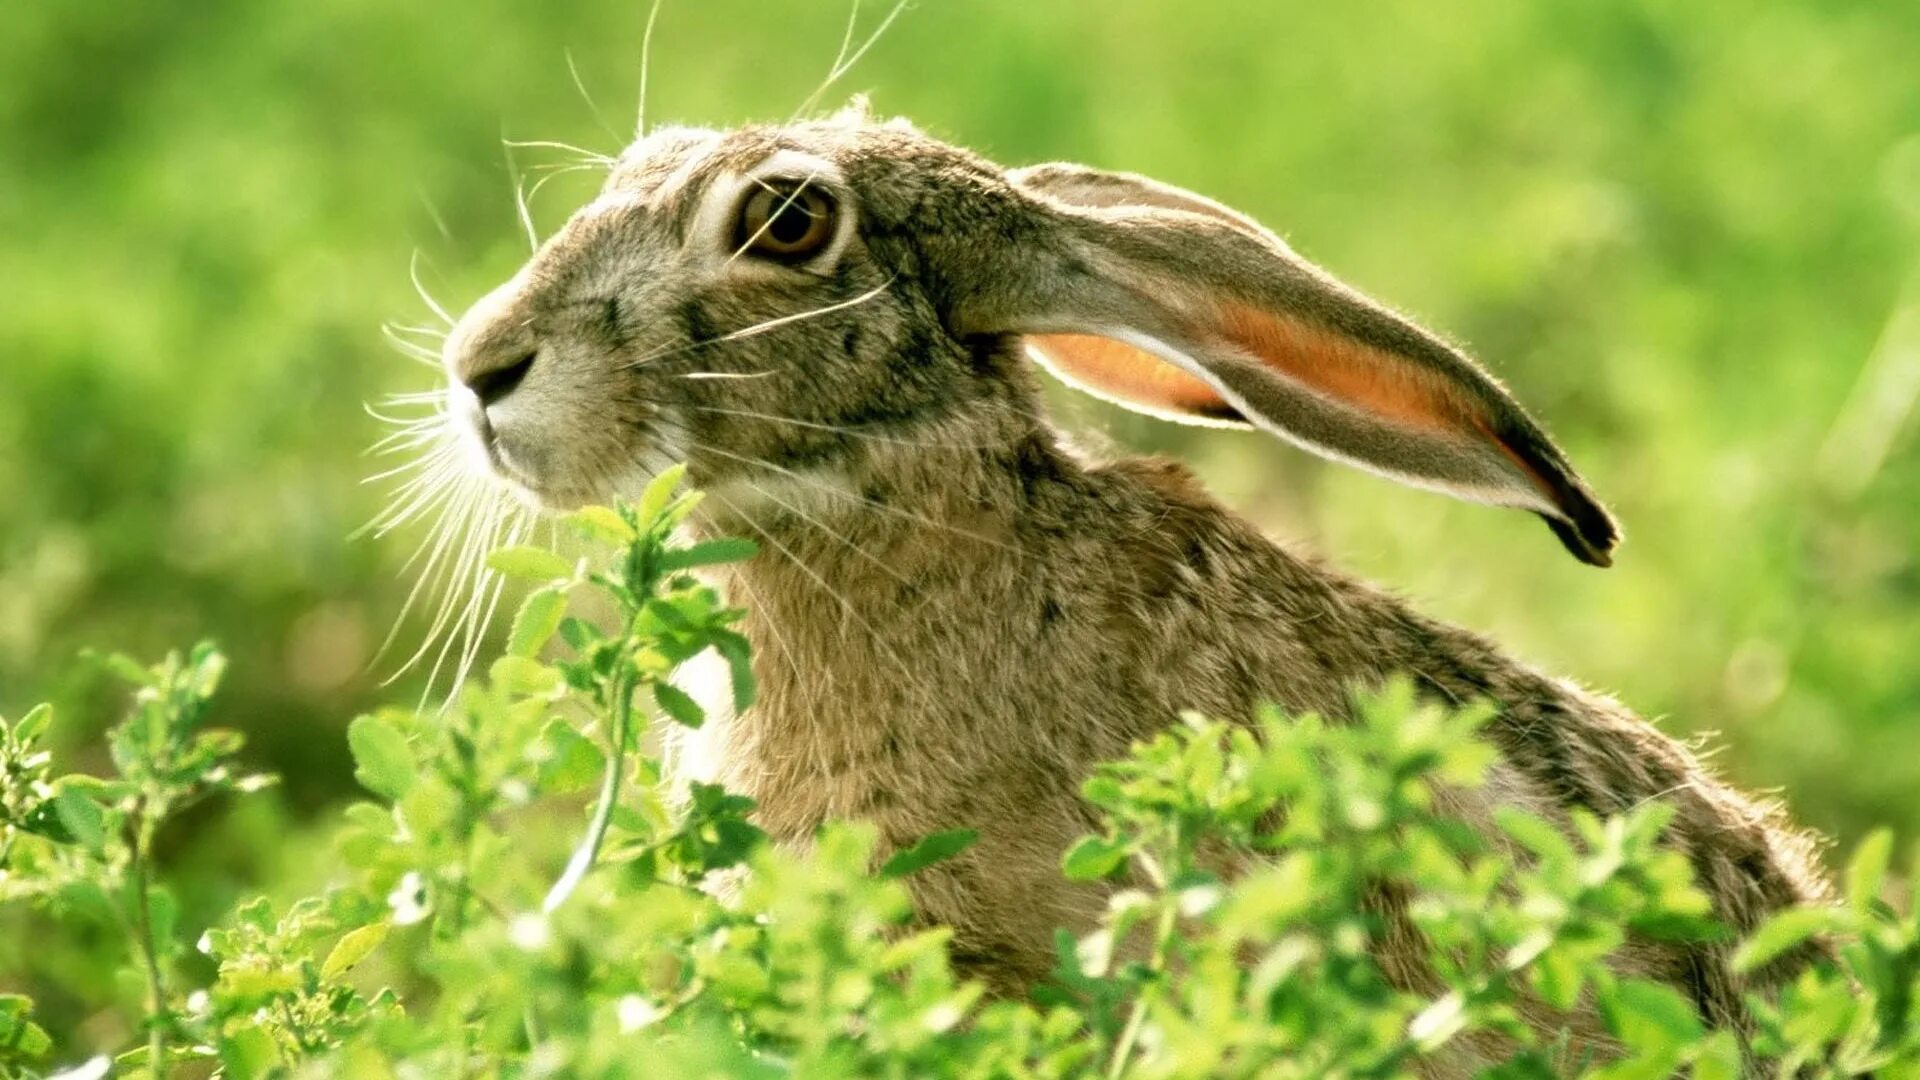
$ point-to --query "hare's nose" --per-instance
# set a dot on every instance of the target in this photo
(492, 383)
(493, 347)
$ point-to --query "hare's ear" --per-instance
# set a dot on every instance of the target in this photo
(1171, 304)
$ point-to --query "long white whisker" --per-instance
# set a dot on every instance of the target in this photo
(416, 495)
(561, 170)
(413, 272)
(747, 244)
(646, 61)
(412, 350)
(837, 429)
(592, 107)
(593, 157)
(879, 640)
(472, 550)
(825, 528)
(843, 63)
(437, 333)
(520, 200)
(437, 540)
(433, 213)
(763, 327)
(834, 489)
(407, 467)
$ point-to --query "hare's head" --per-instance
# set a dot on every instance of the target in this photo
(761, 297)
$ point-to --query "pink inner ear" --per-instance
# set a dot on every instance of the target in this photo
(1374, 381)
(1128, 376)
(1359, 375)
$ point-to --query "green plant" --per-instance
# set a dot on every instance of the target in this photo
(466, 932)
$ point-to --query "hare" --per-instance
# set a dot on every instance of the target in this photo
(956, 614)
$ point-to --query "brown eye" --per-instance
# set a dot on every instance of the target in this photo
(784, 220)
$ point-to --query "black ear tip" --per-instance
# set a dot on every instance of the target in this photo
(1588, 532)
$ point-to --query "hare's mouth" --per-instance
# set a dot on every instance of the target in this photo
(497, 457)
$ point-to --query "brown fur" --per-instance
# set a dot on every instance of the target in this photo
(956, 615)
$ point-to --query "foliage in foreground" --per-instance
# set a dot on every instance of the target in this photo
(675, 943)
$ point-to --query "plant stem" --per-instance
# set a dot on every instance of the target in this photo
(589, 849)
(157, 1018)
(1156, 963)
(1137, 1017)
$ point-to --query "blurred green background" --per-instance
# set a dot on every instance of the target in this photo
(1687, 235)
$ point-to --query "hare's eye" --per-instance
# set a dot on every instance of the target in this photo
(784, 220)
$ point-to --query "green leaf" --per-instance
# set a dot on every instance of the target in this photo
(383, 765)
(570, 761)
(248, 1053)
(654, 498)
(1779, 934)
(125, 667)
(708, 553)
(209, 666)
(1718, 1058)
(33, 725)
(1867, 869)
(602, 525)
(739, 656)
(937, 847)
(83, 818)
(1093, 858)
(579, 634)
(22, 1037)
(529, 678)
(530, 563)
(353, 947)
(536, 621)
(675, 703)
(1650, 1016)
(1534, 834)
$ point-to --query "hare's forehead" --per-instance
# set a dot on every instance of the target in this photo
(669, 164)
(682, 176)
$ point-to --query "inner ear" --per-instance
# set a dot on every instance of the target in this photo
(1350, 372)
(1134, 378)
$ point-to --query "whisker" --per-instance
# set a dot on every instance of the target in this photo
(520, 200)
(843, 63)
(559, 170)
(581, 85)
(757, 608)
(432, 397)
(725, 374)
(837, 429)
(834, 489)
(399, 422)
(593, 156)
(433, 213)
(646, 61)
(488, 586)
(763, 327)
(408, 438)
(412, 350)
(472, 550)
(438, 541)
(853, 612)
(436, 490)
(413, 272)
(747, 244)
(437, 333)
(825, 528)
(405, 467)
